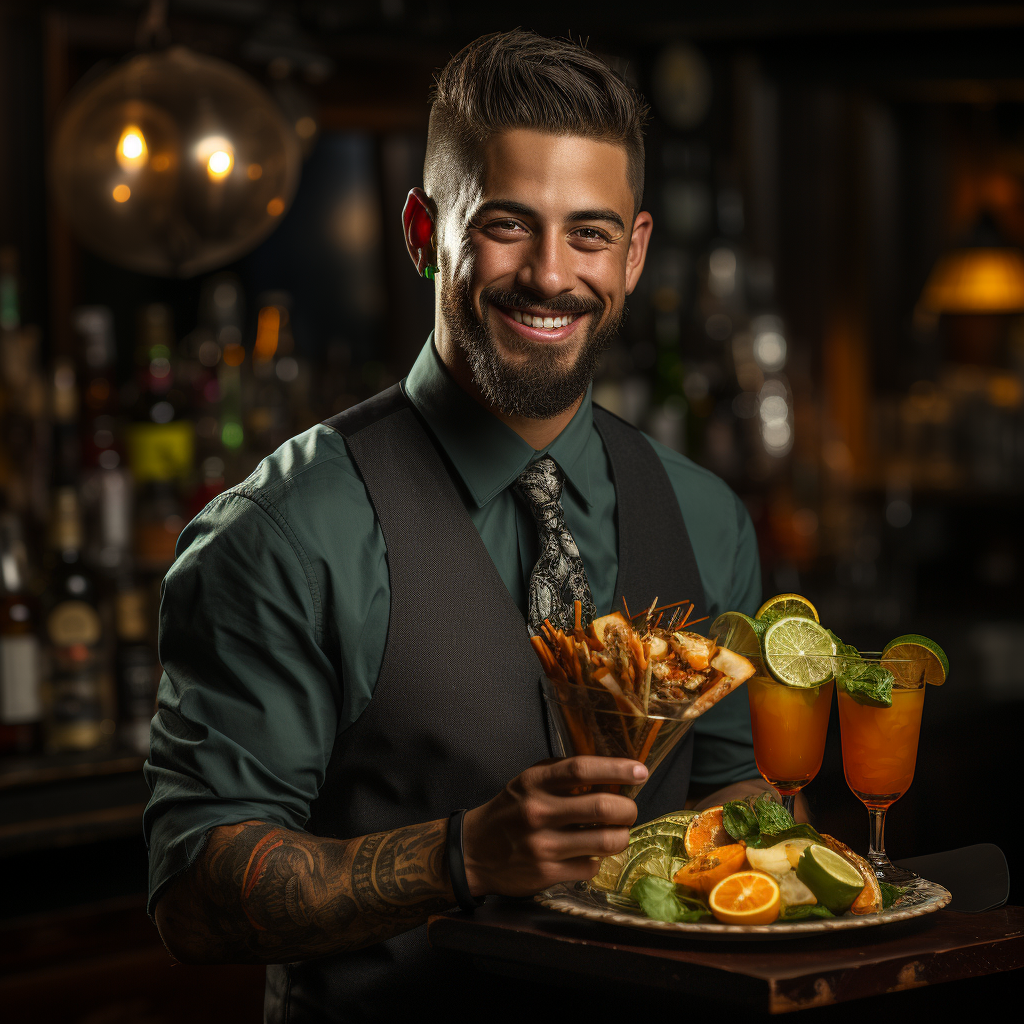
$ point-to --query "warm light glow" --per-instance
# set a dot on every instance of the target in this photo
(255, 172)
(275, 207)
(161, 162)
(268, 331)
(132, 151)
(219, 163)
(217, 154)
(976, 280)
(305, 127)
(234, 355)
(121, 193)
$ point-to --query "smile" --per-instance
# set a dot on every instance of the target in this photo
(545, 322)
(541, 324)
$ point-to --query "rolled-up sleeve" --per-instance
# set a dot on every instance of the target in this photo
(247, 708)
(724, 748)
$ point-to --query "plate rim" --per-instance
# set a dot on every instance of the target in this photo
(564, 899)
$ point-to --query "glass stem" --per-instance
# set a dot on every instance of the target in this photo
(787, 802)
(876, 836)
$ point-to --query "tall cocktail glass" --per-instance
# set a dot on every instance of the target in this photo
(789, 725)
(880, 749)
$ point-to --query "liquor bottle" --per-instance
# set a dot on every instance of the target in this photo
(66, 437)
(106, 483)
(161, 442)
(21, 707)
(137, 668)
(78, 692)
(25, 451)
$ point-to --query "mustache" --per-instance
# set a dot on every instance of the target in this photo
(557, 303)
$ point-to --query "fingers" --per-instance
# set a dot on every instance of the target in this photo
(588, 809)
(569, 773)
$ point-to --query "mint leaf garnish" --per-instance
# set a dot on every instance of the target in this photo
(740, 821)
(867, 684)
(772, 817)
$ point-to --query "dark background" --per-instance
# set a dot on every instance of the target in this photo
(844, 149)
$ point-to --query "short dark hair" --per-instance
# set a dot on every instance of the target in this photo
(518, 79)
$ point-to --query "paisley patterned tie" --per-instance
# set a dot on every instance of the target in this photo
(558, 579)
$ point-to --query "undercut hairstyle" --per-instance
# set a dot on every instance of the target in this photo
(518, 79)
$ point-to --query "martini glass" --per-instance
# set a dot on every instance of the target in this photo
(880, 749)
(591, 720)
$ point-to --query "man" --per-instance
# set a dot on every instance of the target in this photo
(346, 634)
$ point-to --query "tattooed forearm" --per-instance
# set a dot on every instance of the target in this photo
(260, 893)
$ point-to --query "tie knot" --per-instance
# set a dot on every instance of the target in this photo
(540, 484)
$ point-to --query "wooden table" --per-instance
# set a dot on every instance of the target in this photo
(524, 939)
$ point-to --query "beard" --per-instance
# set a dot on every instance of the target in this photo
(540, 385)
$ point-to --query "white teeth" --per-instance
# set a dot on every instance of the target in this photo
(542, 322)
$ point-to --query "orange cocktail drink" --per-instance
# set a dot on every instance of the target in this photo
(881, 698)
(789, 725)
(880, 745)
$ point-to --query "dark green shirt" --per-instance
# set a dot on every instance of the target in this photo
(275, 613)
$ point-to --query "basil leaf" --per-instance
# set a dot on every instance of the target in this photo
(660, 899)
(867, 684)
(891, 894)
(740, 821)
(805, 911)
(772, 817)
(657, 898)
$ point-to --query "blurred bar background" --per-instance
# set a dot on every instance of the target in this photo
(831, 318)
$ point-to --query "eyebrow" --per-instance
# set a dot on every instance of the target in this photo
(510, 206)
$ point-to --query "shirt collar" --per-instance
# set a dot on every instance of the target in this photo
(487, 454)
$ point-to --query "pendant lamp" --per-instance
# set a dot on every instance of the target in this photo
(173, 163)
(984, 274)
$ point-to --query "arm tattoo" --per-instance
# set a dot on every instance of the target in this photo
(265, 894)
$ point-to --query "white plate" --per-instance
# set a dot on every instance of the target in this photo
(924, 897)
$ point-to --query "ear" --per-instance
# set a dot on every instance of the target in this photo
(638, 242)
(418, 222)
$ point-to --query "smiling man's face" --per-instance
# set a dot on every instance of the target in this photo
(540, 252)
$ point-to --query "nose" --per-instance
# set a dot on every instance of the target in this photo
(547, 270)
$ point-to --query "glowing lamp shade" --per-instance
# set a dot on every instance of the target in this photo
(976, 280)
(152, 163)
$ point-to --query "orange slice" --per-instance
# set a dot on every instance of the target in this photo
(706, 870)
(746, 897)
(705, 832)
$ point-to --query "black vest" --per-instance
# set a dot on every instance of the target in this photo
(457, 710)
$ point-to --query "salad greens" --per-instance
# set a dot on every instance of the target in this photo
(663, 900)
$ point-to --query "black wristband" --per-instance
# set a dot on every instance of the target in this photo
(457, 864)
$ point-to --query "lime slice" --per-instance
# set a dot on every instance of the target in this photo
(665, 832)
(607, 877)
(649, 860)
(833, 879)
(930, 657)
(799, 652)
(742, 634)
(782, 605)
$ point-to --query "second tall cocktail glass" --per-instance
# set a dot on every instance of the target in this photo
(789, 725)
(880, 749)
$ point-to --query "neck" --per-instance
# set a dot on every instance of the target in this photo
(538, 433)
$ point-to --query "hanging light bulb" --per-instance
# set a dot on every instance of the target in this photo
(217, 154)
(144, 163)
(132, 152)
